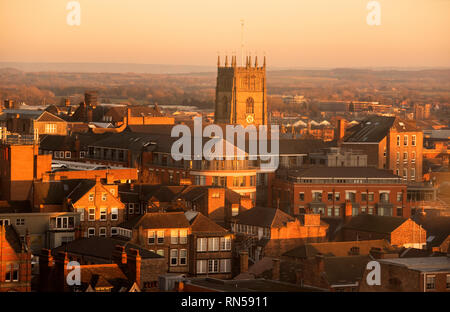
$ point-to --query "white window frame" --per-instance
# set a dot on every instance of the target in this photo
(90, 235)
(103, 214)
(151, 235)
(413, 140)
(102, 229)
(174, 237)
(114, 231)
(173, 256)
(213, 266)
(114, 212)
(225, 265)
(68, 154)
(202, 244)
(183, 256)
(202, 266)
(90, 218)
(225, 243)
(183, 237)
(160, 235)
(213, 244)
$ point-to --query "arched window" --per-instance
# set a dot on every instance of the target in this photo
(250, 106)
(225, 104)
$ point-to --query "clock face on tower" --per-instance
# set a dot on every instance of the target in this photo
(249, 119)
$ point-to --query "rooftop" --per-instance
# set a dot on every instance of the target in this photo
(422, 264)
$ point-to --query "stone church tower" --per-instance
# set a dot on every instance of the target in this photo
(241, 96)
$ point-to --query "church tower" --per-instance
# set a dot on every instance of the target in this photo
(241, 96)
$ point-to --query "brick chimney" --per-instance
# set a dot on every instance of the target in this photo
(347, 211)
(276, 269)
(109, 178)
(243, 258)
(341, 129)
(45, 267)
(119, 255)
(61, 262)
(320, 263)
(134, 266)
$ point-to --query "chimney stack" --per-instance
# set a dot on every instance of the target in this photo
(348, 211)
(134, 266)
(276, 269)
(320, 263)
(119, 255)
(243, 257)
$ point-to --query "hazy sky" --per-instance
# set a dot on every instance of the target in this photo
(301, 33)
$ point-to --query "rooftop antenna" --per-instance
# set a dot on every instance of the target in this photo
(242, 42)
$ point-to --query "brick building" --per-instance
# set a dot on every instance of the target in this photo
(99, 206)
(398, 231)
(34, 122)
(390, 143)
(105, 250)
(271, 232)
(121, 276)
(423, 274)
(15, 261)
(20, 165)
(165, 233)
(210, 248)
(326, 190)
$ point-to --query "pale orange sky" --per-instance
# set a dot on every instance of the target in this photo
(300, 33)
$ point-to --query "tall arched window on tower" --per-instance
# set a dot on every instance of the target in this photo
(224, 105)
(250, 105)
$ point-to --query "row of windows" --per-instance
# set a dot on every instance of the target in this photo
(12, 276)
(178, 257)
(431, 281)
(104, 195)
(405, 140)
(214, 266)
(213, 244)
(405, 173)
(176, 237)
(103, 214)
(250, 229)
(350, 195)
(336, 211)
(102, 232)
(66, 154)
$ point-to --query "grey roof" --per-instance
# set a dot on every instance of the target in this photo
(377, 224)
(422, 264)
(158, 220)
(375, 128)
(264, 217)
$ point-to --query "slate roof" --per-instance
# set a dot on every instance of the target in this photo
(422, 264)
(337, 249)
(376, 224)
(345, 270)
(158, 220)
(201, 223)
(264, 217)
(55, 192)
(101, 275)
(102, 247)
(436, 226)
(81, 189)
(49, 117)
(375, 128)
(13, 238)
(296, 146)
